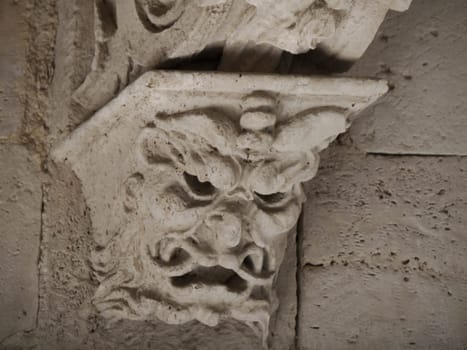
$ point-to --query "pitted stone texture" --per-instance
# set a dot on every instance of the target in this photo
(356, 30)
(426, 111)
(20, 217)
(13, 36)
(191, 212)
(384, 253)
(134, 36)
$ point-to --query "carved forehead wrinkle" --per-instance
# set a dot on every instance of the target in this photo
(215, 128)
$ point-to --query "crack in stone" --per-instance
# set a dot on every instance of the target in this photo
(299, 241)
(392, 154)
(39, 255)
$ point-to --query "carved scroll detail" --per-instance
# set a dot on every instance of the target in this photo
(158, 15)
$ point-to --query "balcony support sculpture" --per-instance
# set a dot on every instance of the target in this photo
(194, 182)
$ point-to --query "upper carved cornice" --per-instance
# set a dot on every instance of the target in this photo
(133, 36)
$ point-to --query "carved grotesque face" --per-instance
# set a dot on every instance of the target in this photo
(206, 215)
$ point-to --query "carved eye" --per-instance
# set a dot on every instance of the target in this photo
(273, 198)
(199, 188)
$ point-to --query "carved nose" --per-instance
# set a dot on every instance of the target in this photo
(227, 228)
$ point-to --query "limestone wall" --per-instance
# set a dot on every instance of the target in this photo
(380, 252)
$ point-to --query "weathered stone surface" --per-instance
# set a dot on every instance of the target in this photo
(356, 30)
(20, 218)
(356, 308)
(422, 53)
(385, 253)
(67, 317)
(132, 37)
(283, 324)
(214, 162)
(13, 38)
(73, 55)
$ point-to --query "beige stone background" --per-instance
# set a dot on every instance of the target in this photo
(383, 239)
(384, 232)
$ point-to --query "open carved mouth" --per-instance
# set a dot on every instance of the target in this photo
(172, 253)
(202, 276)
(188, 268)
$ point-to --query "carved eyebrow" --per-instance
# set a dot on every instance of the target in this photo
(216, 129)
(213, 167)
(311, 130)
(285, 171)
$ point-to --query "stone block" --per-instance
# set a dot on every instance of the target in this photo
(385, 253)
(13, 36)
(20, 227)
(422, 53)
(352, 307)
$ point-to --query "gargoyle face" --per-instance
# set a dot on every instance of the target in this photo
(208, 211)
(193, 181)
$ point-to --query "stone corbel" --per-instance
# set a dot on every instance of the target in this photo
(194, 180)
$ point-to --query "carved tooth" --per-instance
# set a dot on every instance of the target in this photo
(165, 251)
(153, 250)
(254, 261)
(257, 262)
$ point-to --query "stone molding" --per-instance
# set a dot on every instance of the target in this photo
(134, 36)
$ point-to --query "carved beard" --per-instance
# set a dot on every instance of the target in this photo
(136, 288)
